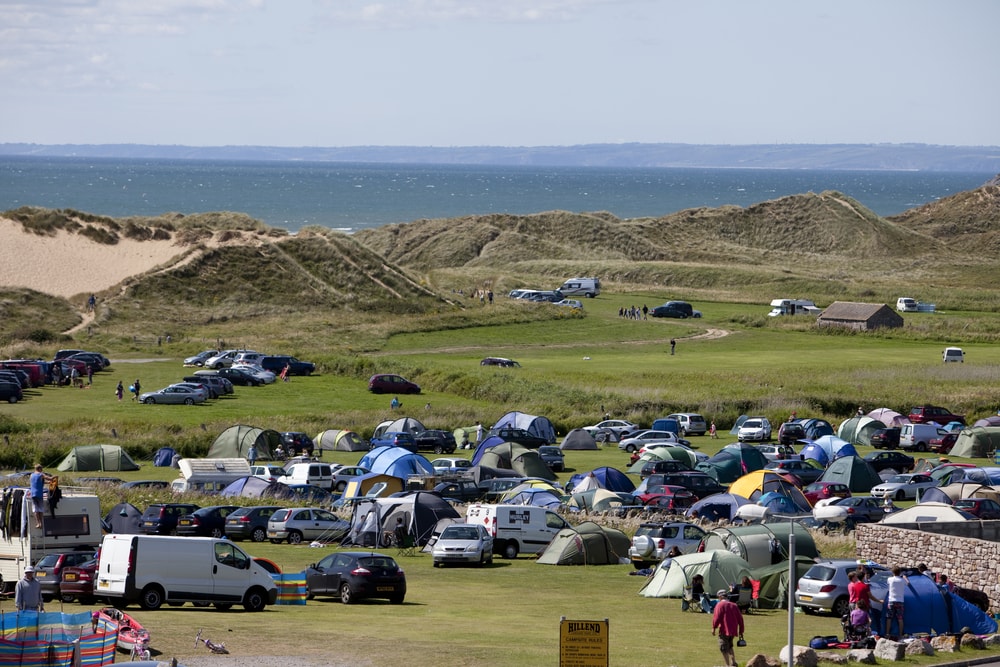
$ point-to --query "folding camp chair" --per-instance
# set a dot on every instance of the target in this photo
(745, 599)
(405, 544)
(689, 603)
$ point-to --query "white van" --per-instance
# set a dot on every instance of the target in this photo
(953, 354)
(905, 304)
(588, 287)
(516, 528)
(156, 569)
(917, 437)
(317, 474)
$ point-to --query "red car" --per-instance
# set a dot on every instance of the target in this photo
(667, 497)
(78, 582)
(819, 490)
(933, 413)
(943, 442)
(981, 508)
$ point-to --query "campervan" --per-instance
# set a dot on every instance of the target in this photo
(157, 569)
(209, 475)
(516, 528)
(588, 287)
(905, 304)
(781, 307)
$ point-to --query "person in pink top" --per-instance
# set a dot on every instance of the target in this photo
(728, 620)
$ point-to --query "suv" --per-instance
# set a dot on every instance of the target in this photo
(249, 523)
(933, 413)
(653, 540)
(161, 518)
(297, 442)
(679, 309)
(10, 391)
(394, 439)
(698, 483)
(754, 428)
(790, 432)
(690, 423)
(218, 384)
(824, 587)
(898, 461)
(49, 568)
(438, 441)
(277, 363)
(886, 438)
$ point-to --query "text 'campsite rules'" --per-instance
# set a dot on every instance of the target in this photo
(583, 643)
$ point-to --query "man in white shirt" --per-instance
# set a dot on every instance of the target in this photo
(894, 601)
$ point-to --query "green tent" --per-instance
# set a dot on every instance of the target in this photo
(855, 472)
(512, 456)
(773, 592)
(732, 462)
(234, 442)
(976, 442)
(87, 458)
(586, 544)
(762, 544)
(858, 430)
(720, 568)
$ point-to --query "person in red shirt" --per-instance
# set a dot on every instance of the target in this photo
(728, 620)
(859, 593)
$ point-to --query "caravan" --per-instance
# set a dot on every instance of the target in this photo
(209, 475)
(588, 287)
(781, 307)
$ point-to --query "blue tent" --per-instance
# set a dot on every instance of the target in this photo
(609, 478)
(717, 506)
(255, 487)
(928, 608)
(536, 497)
(396, 462)
(540, 426)
(781, 503)
(816, 428)
(163, 457)
(487, 443)
(827, 448)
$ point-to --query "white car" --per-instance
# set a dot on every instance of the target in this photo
(570, 303)
(269, 473)
(756, 429)
(904, 487)
(463, 543)
(638, 440)
(615, 429)
(450, 466)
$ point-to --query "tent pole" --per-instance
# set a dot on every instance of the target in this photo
(791, 595)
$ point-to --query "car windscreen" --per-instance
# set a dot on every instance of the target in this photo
(820, 573)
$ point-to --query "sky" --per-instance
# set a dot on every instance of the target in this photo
(498, 72)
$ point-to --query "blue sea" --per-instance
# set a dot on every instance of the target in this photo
(350, 197)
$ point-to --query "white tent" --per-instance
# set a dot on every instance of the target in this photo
(925, 513)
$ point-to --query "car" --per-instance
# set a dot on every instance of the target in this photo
(237, 376)
(268, 473)
(298, 524)
(803, 471)
(699, 483)
(612, 430)
(494, 489)
(459, 491)
(297, 443)
(104, 481)
(520, 436)
(279, 362)
(683, 444)
(356, 575)
(11, 391)
(94, 361)
(499, 361)
(818, 491)
(923, 414)
(897, 461)
(886, 438)
(463, 543)
(666, 497)
(905, 304)
(654, 539)
(450, 466)
(210, 391)
(690, 423)
(570, 303)
(790, 432)
(861, 509)
(249, 523)
(777, 452)
(435, 440)
(200, 358)
(219, 384)
(981, 508)
(638, 440)
(49, 570)
(943, 442)
(77, 582)
(175, 395)
(953, 354)
(553, 457)
(823, 588)
(677, 309)
(904, 487)
(205, 521)
(662, 466)
(145, 484)
(224, 359)
(344, 474)
(754, 429)
(394, 439)
(161, 518)
(259, 372)
(387, 383)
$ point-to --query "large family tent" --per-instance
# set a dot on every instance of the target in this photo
(992, 420)
(976, 442)
(926, 512)
(889, 417)
(773, 591)
(595, 500)
(827, 448)
(124, 518)
(340, 441)
(164, 457)
(235, 441)
(405, 425)
(665, 453)
(537, 426)
(586, 544)
(256, 487)
(515, 457)
(858, 430)
(721, 569)
(762, 543)
(929, 609)
(89, 458)
(578, 439)
(420, 511)
(396, 462)
(958, 490)
(855, 472)
(732, 462)
(717, 507)
(816, 428)
(755, 484)
(606, 477)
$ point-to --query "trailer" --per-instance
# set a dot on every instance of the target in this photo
(74, 524)
(781, 307)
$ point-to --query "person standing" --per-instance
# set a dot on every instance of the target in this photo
(728, 620)
(712, 432)
(90, 375)
(137, 389)
(252, 454)
(894, 601)
(673, 345)
(394, 404)
(36, 485)
(479, 432)
(28, 592)
(859, 593)
(120, 390)
(645, 311)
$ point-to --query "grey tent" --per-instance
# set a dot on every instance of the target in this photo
(762, 544)
(124, 518)
(854, 471)
(516, 457)
(340, 441)
(234, 442)
(87, 458)
(859, 430)
(976, 442)
(586, 544)
(406, 425)
(578, 439)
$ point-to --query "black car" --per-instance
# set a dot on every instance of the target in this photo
(10, 391)
(461, 491)
(659, 467)
(520, 436)
(205, 521)
(678, 309)
(698, 483)
(296, 442)
(886, 438)
(48, 570)
(94, 361)
(438, 441)
(249, 523)
(499, 361)
(553, 457)
(898, 461)
(279, 362)
(161, 518)
(356, 575)
(494, 489)
(239, 376)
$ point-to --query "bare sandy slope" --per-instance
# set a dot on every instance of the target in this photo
(69, 264)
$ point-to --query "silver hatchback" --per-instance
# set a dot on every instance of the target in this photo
(300, 524)
(824, 587)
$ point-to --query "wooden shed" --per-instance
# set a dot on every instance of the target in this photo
(859, 316)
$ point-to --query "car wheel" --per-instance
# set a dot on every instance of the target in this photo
(510, 549)
(259, 535)
(341, 486)
(12, 399)
(630, 448)
(216, 532)
(396, 599)
(149, 400)
(345, 594)
(294, 537)
(900, 495)
(254, 600)
(921, 447)
(438, 449)
(841, 607)
(188, 401)
(683, 433)
(152, 598)
(66, 598)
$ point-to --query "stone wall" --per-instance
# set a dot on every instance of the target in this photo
(968, 561)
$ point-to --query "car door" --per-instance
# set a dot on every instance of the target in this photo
(323, 580)
(230, 573)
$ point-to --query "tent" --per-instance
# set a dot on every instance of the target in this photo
(927, 512)
(721, 569)
(816, 428)
(732, 462)
(773, 592)
(164, 457)
(762, 543)
(607, 477)
(420, 510)
(405, 425)
(958, 490)
(481, 473)
(858, 430)
(87, 458)
(538, 426)
(929, 609)
(976, 442)
(827, 448)
(775, 502)
(124, 518)
(234, 442)
(889, 417)
(855, 472)
(340, 441)
(493, 452)
(372, 483)
(396, 462)
(586, 544)
(755, 484)
(256, 487)
(578, 439)
(533, 496)
(595, 500)
(992, 420)
(717, 507)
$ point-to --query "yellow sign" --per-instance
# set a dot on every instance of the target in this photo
(583, 643)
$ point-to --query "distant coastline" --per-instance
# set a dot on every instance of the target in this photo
(848, 157)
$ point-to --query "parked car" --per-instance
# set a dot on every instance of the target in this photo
(499, 361)
(161, 518)
(344, 474)
(296, 442)
(259, 372)
(210, 391)
(943, 442)
(463, 543)
(886, 438)
(268, 473)
(520, 436)
(677, 309)
(175, 395)
(666, 497)
(922, 414)
(145, 484)
(695, 481)
(356, 575)
(11, 391)
(823, 588)
(861, 509)
(94, 361)
(297, 524)
(691, 423)
(205, 521)
(494, 489)
(450, 466)
(77, 582)
(218, 385)
(818, 491)
(387, 383)
(553, 457)
(636, 441)
(803, 471)
(618, 428)
(790, 432)
(460, 491)
(755, 429)
(897, 461)
(904, 487)
(249, 523)
(777, 452)
(953, 354)
(981, 508)
(278, 362)
(394, 439)
(237, 376)
(49, 570)
(224, 359)
(663, 466)
(200, 358)
(435, 440)
(653, 540)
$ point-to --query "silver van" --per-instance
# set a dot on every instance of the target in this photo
(953, 354)
(690, 423)
(588, 287)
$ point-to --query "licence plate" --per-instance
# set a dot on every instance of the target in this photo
(69, 576)
(185, 523)
(806, 598)
(385, 589)
(39, 574)
(104, 584)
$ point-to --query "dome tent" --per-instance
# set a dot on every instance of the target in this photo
(106, 458)
(395, 462)
(720, 568)
(495, 453)
(976, 442)
(889, 417)
(855, 472)
(717, 507)
(858, 430)
(537, 426)
(340, 441)
(586, 544)
(235, 441)
(827, 448)
(732, 462)
(578, 439)
(607, 477)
